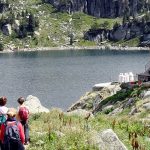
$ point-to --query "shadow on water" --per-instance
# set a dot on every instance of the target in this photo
(70, 53)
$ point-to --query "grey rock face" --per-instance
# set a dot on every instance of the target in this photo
(146, 106)
(91, 101)
(121, 32)
(133, 111)
(7, 29)
(108, 140)
(99, 8)
(146, 95)
(3, 7)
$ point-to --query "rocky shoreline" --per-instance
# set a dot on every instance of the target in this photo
(117, 48)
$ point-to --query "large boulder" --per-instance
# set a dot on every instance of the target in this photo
(146, 95)
(34, 105)
(91, 100)
(119, 33)
(146, 106)
(108, 140)
(7, 29)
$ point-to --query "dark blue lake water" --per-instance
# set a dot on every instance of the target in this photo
(59, 78)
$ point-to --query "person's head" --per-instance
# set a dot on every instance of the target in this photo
(11, 112)
(21, 100)
(3, 101)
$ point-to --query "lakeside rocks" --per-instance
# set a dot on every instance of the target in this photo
(108, 47)
(94, 102)
(91, 100)
(34, 105)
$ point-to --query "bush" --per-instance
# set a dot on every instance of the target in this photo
(108, 111)
(119, 96)
(1, 46)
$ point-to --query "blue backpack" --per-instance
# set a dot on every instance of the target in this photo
(2, 119)
(11, 132)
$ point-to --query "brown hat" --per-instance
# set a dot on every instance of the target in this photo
(11, 112)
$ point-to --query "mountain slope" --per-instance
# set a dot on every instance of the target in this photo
(39, 23)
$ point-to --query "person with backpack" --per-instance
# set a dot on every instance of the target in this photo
(3, 109)
(3, 112)
(23, 113)
(12, 134)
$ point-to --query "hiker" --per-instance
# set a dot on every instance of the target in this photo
(3, 109)
(23, 114)
(3, 112)
(12, 135)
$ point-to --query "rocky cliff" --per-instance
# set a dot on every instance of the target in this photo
(125, 31)
(102, 8)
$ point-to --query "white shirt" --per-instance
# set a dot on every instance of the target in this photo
(3, 110)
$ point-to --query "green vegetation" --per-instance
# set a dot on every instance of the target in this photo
(39, 24)
(56, 131)
(104, 23)
(131, 43)
(1, 47)
(119, 96)
(52, 28)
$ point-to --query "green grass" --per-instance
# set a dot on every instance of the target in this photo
(131, 43)
(55, 27)
(77, 132)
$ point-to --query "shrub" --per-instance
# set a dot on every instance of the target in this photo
(1, 46)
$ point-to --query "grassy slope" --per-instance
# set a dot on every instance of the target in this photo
(78, 132)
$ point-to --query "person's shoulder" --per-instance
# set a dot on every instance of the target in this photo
(22, 106)
(3, 109)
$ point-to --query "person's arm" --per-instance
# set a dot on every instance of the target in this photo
(21, 132)
(2, 133)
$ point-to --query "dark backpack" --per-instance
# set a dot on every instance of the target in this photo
(11, 132)
(23, 113)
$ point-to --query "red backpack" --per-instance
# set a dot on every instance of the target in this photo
(23, 113)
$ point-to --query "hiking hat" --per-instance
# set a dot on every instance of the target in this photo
(11, 112)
